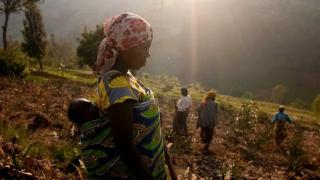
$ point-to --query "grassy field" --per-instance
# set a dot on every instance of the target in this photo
(34, 125)
(169, 86)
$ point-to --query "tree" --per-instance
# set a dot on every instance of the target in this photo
(89, 45)
(35, 42)
(316, 105)
(278, 93)
(7, 7)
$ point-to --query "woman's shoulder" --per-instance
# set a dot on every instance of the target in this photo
(116, 79)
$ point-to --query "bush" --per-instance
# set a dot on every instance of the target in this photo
(298, 103)
(278, 93)
(250, 130)
(295, 154)
(316, 105)
(13, 62)
(244, 123)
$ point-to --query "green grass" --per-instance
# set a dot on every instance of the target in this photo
(72, 75)
(169, 87)
(36, 78)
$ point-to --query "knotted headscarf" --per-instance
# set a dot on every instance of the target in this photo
(211, 95)
(122, 32)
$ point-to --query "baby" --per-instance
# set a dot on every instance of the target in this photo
(82, 110)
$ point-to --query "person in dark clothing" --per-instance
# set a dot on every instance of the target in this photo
(281, 119)
(208, 113)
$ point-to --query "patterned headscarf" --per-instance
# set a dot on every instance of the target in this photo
(211, 95)
(122, 32)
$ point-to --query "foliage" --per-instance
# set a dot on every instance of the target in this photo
(250, 129)
(316, 105)
(13, 62)
(181, 144)
(295, 154)
(61, 54)
(38, 150)
(244, 124)
(298, 103)
(230, 170)
(35, 43)
(64, 154)
(248, 95)
(7, 7)
(89, 45)
(8, 131)
(278, 93)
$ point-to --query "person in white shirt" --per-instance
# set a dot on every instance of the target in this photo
(183, 106)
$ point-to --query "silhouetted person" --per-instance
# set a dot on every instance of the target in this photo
(281, 119)
(208, 113)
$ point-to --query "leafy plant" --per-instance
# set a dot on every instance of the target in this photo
(295, 153)
(13, 62)
(316, 105)
(250, 129)
(244, 123)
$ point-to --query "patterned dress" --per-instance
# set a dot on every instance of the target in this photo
(100, 154)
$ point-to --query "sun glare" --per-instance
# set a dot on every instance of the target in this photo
(194, 53)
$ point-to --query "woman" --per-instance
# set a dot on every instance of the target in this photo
(208, 113)
(126, 143)
(183, 107)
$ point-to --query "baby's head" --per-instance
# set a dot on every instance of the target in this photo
(82, 110)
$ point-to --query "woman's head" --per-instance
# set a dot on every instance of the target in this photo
(281, 108)
(211, 95)
(128, 37)
(184, 91)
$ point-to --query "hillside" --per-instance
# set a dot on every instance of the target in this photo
(277, 41)
(37, 140)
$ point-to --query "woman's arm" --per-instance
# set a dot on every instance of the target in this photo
(122, 127)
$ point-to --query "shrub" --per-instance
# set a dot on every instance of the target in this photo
(250, 130)
(316, 105)
(244, 123)
(13, 62)
(278, 93)
(298, 103)
(295, 153)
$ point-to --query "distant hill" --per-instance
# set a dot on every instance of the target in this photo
(233, 45)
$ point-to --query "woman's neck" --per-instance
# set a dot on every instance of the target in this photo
(120, 66)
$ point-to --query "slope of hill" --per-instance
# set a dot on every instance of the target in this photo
(36, 139)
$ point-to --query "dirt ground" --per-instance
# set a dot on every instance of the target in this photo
(40, 108)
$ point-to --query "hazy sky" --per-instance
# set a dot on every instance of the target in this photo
(231, 39)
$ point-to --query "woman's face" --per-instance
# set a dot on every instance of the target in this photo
(136, 57)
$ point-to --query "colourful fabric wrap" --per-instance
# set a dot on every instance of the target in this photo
(121, 33)
(100, 155)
